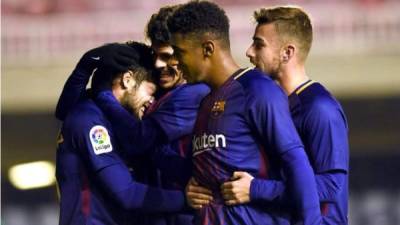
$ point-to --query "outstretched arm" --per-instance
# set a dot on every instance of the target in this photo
(132, 195)
(115, 57)
(134, 136)
(102, 159)
(172, 120)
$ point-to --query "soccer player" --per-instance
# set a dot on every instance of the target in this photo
(96, 186)
(243, 125)
(281, 43)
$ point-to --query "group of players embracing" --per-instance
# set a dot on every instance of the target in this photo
(178, 133)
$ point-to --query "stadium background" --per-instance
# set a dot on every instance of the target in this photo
(356, 54)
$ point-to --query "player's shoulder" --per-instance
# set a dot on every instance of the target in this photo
(190, 92)
(83, 114)
(193, 89)
(255, 82)
(317, 99)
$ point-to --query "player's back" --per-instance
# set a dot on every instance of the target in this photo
(83, 201)
(322, 126)
(230, 135)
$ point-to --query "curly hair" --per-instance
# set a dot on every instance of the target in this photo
(200, 17)
(157, 28)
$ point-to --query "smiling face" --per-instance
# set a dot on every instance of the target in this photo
(190, 56)
(167, 65)
(265, 51)
(137, 98)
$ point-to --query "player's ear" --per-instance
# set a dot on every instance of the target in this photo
(288, 53)
(208, 48)
(127, 80)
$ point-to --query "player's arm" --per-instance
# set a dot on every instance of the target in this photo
(174, 166)
(172, 120)
(325, 131)
(243, 190)
(114, 177)
(117, 57)
(269, 114)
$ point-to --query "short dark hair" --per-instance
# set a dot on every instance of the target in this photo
(157, 28)
(142, 68)
(291, 23)
(200, 17)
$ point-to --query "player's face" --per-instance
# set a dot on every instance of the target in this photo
(264, 52)
(138, 98)
(190, 56)
(167, 65)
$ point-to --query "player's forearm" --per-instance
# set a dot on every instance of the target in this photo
(74, 89)
(301, 181)
(329, 185)
(130, 195)
(150, 199)
(173, 165)
(266, 190)
(135, 136)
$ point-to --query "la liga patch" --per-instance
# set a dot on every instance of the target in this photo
(100, 140)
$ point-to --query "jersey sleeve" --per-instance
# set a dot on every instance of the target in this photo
(95, 143)
(267, 190)
(177, 116)
(329, 184)
(173, 165)
(131, 195)
(134, 136)
(269, 114)
(74, 90)
(325, 132)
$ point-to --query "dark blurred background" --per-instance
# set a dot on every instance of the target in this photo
(356, 54)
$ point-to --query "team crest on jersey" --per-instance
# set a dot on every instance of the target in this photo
(100, 140)
(218, 108)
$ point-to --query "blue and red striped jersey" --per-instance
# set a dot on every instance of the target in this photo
(245, 125)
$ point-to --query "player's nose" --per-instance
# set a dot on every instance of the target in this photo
(250, 52)
(159, 63)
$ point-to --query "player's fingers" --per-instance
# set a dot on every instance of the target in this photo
(200, 202)
(196, 206)
(230, 190)
(232, 202)
(193, 195)
(227, 185)
(238, 174)
(227, 197)
(199, 189)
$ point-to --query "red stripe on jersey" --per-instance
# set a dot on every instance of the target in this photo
(263, 172)
(324, 209)
(184, 144)
(85, 195)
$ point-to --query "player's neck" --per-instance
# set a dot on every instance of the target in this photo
(291, 78)
(224, 67)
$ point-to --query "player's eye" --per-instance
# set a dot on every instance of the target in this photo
(258, 45)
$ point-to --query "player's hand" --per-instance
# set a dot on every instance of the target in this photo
(116, 57)
(237, 191)
(196, 195)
